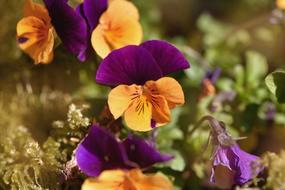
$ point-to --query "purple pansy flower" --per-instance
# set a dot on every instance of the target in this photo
(101, 151)
(141, 91)
(232, 166)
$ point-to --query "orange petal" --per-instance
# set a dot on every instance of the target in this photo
(118, 27)
(280, 4)
(38, 39)
(124, 32)
(123, 9)
(138, 115)
(120, 98)
(171, 90)
(160, 110)
(149, 182)
(99, 42)
(36, 10)
(109, 180)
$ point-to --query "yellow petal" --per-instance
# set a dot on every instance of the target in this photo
(138, 115)
(118, 27)
(280, 4)
(108, 180)
(123, 9)
(171, 90)
(124, 32)
(36, 10)
(99, 42)
(160, 110)
(120, 98)
(149, 182)
(38, 39)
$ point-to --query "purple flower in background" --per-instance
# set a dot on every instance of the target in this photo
(213, 75)
(101, 151)
(232, 166)
(208, 82)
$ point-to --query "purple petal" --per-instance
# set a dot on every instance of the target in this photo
(168, 57)
(128, 65)
(235, 160)
(141, 153)
(93, 10)
(100, 151)
(70, 27)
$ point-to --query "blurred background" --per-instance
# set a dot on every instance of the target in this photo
(243, 39)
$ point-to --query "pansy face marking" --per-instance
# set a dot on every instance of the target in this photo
(142, 93)
(142, 103)
(35, 34)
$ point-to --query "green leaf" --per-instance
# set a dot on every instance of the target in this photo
(256, 68)
(178, 163)
(275, 83)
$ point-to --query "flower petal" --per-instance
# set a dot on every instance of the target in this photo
(128, 65)
(120, 98)
(160, 109)
(141, 153)
(118, 27)
(100, 151)
(235, 160)
(35, 39)
(150, 181)
(36, 10)
(108, 180)
(70, 27)
(245, 171)
(138, 115)
(118, 34)
(168, 57)
(93, 9)
(99, 42)
(171, 90)
(120, 9)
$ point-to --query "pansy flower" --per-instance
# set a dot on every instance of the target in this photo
(35, 34)
(105, 25)
(141, 91)
(101, 151)
(131, 180)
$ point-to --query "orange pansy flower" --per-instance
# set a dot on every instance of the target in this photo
(35, 33)
(118, 26)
